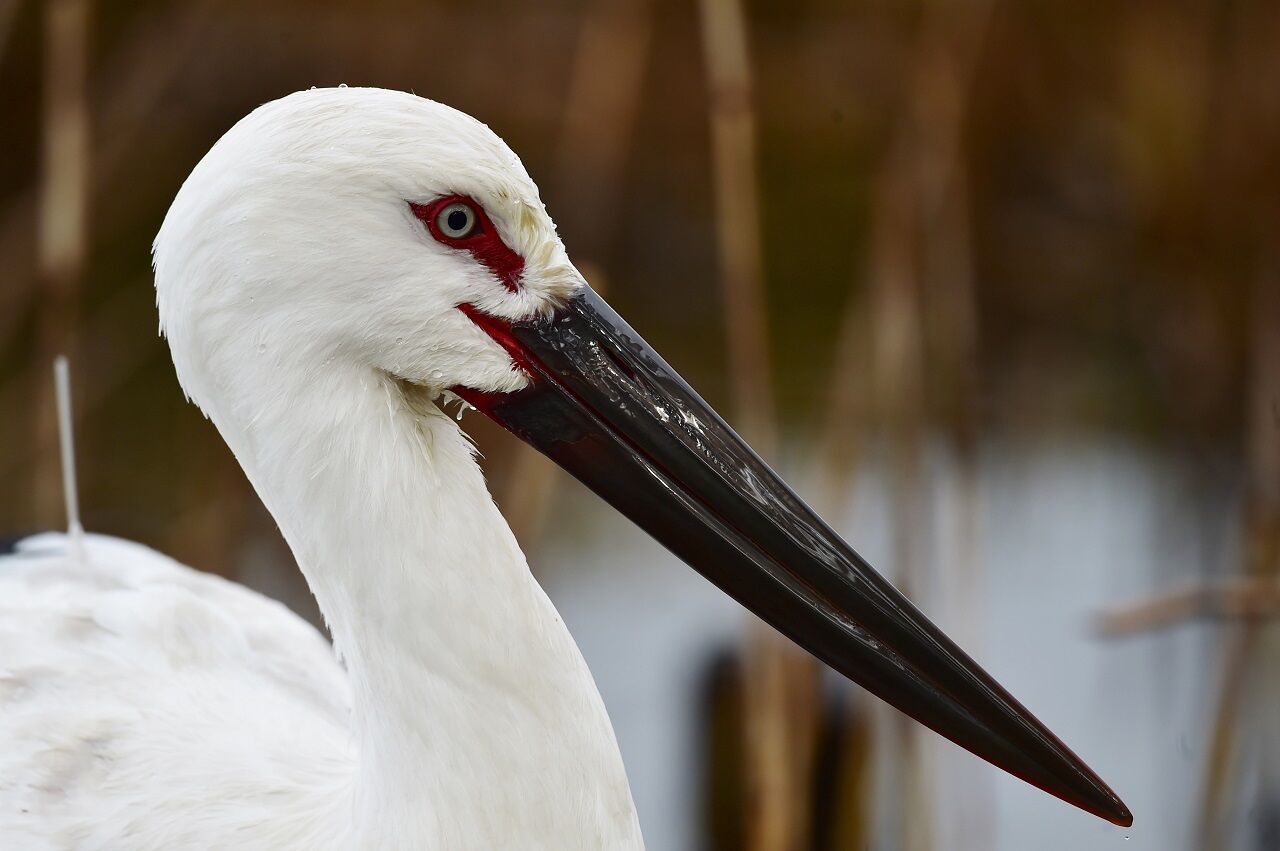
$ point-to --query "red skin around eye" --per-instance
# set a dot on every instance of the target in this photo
(484, 243)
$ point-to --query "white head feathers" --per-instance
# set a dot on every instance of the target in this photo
(293, 240)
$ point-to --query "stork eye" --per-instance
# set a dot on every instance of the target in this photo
(457, 220)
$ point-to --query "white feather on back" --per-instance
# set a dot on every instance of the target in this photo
(147, 705)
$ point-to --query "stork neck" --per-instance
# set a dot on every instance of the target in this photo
(476, 720)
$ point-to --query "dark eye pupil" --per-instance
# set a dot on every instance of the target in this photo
(457, 220)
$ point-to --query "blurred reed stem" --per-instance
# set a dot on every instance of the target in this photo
(845, 414)
(1262, 550)
(897, 353)
(63, 229)
(8, 12)
(921, 274)
(127, 89)
(952, 36)
(737, 208)
(1228, 600)
(779, 680)
(605, 86)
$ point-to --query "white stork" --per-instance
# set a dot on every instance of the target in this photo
(341, 263)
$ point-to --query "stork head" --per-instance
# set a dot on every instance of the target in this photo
(377, 229)
(348, 225)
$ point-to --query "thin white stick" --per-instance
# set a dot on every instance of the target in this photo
(66, 441)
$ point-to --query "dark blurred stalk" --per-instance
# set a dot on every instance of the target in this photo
(897, 354)
(1261, 537)
(952, 36)
(63, 230)
(920, 276)
(604, 95)
(126, 90)
(8, 12)
(737, 207)
(779, 680)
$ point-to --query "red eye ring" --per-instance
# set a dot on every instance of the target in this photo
(481, 238)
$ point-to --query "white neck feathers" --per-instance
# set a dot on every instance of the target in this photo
(476, 720)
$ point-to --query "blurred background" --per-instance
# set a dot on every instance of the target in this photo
(996, 285)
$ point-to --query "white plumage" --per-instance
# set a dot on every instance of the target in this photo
(144, 705)
(148, 705)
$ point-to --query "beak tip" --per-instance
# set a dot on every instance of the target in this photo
(1119, 815)
(1099, 800)
(1106, 805)
(1109, 806)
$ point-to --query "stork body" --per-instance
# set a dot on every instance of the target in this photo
(149, 706)
(339, 266)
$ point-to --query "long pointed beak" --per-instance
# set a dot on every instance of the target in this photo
(605, 407)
